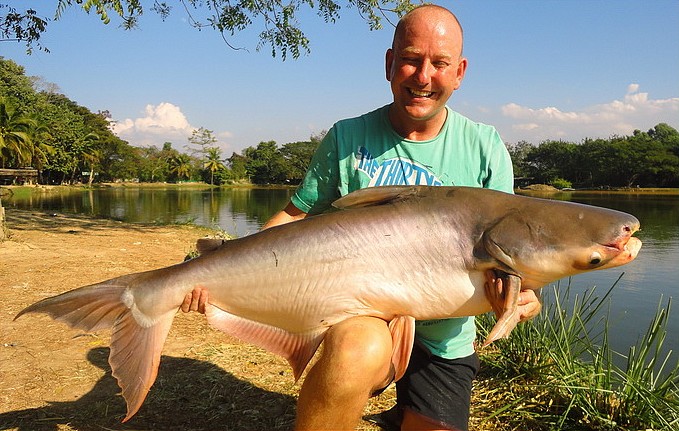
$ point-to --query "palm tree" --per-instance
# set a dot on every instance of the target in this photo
(40, 150)
(83, 148)
(180, 165)
(92, 158)
(213, 162)
(15, 141)
(15, 138)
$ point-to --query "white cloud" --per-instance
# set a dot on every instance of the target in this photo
(618, 117)
(158, 124)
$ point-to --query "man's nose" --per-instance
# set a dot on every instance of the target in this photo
(424, 72)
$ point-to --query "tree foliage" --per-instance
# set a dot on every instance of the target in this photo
(277, 21)
(647, 159)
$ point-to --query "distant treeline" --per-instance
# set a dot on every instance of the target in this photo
(644, 159)
(67, 143)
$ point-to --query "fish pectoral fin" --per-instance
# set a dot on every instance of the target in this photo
(402, 330)
(509, 316)
(297, 349)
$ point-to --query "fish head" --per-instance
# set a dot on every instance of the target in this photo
(559, 239)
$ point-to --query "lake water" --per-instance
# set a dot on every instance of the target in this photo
(651, 279)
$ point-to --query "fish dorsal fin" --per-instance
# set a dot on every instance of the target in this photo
(206, 245)
(297, 349)
(375, 196)
(402, 330)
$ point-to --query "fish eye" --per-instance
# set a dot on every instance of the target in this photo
(595, 259)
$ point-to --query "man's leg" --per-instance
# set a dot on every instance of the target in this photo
(355, 362)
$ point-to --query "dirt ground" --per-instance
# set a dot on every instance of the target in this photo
(55, 378)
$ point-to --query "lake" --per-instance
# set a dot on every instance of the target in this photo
(651, 279)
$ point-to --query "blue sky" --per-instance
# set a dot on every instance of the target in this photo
(538, 69)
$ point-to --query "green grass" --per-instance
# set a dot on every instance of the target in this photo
(558, 371)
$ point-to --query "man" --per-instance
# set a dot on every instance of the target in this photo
(416, 139)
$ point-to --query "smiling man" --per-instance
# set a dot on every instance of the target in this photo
(424, 66)
(415, 140)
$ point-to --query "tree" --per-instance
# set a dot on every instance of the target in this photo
(15, 87)
(15, 136)
(18, 26)
(280, 29)
(238, 165)
(297, 156)
(204, 139)
(551, 160)
(518, 153)
(213, 162)
(265, 163)
(180, 166)
(91, 158)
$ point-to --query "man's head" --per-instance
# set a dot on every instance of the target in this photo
(424, 64)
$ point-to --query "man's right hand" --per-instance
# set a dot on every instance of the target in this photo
(195, 301)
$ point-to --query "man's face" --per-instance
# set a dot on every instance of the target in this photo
(425, 67)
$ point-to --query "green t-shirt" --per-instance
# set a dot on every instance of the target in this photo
(366, 152)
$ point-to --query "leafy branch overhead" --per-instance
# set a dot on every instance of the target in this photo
(277, 21)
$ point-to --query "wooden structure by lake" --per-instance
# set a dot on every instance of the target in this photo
(24, 176)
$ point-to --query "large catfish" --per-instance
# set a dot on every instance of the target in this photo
(397, 253)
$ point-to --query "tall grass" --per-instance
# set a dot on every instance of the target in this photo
(558, 371)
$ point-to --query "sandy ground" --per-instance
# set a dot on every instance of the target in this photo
(55, 378)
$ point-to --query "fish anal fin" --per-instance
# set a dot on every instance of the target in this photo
(402, 330)
(297, 349)
(509, 316)
(135, 356)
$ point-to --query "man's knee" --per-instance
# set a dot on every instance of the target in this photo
(362, 346)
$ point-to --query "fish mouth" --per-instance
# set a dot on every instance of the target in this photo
(621, 252)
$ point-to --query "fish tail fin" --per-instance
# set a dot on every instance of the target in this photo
(135, 357)
(135, 346)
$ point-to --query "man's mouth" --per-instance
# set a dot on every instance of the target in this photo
(419, 93)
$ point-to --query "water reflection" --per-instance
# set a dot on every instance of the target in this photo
(239, 211)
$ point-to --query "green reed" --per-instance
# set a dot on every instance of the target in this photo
(558, 371)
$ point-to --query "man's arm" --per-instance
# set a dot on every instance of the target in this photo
(288, 214)
(198, 298)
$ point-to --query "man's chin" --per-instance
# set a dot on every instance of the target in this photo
(423, 113)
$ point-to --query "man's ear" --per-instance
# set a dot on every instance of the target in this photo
(389, 63)
(461, 69)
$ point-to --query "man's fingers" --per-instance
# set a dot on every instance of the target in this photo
(494, 291)
(202, 301)
(195, 301)
(186, 305)
(529, 305)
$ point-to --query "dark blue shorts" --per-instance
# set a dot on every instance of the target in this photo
(438, 388)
